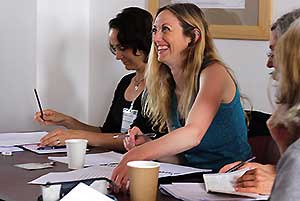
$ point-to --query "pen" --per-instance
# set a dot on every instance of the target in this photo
(39, 103)
(236, 167)
(127, 135)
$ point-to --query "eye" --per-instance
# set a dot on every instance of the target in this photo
(165, 29)
(112, 48)
(121, 48)
(154, 30)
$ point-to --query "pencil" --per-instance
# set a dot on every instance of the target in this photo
(236, 167)
(127, 135)
(39, 103)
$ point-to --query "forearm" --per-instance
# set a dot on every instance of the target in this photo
(105, 141)
(74, 124)
(171, 144)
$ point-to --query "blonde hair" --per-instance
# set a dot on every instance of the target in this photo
(287, 58)
(199, 54)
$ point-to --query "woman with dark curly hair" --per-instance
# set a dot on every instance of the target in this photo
(130, 42)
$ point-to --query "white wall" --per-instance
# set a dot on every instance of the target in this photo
(105, 71)
(63, 56)
(61, 47)
(17, 61)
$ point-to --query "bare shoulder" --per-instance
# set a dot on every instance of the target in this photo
(215, 70)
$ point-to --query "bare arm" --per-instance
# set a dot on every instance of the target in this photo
(106, 141)
(52, 117)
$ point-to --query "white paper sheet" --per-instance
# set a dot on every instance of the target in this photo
(167, 170)
(197, 192)
(84, 192)
(10, 149)
(75, 175)
(224, 183)
(227, 4)
(113, 158)
(11, 139)
(95, 159)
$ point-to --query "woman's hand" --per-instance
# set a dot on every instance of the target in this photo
(51, 117)
(58, 137)
(135, 138)
(120, 173)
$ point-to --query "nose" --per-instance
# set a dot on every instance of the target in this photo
(119, 55)
(157, 37)
(270, 62)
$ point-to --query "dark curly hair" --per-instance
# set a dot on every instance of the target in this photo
(134, 29)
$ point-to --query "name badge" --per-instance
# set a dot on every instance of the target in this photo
(129, 116)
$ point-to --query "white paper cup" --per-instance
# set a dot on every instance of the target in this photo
(143, 177)
(51, 193)
(76, 149)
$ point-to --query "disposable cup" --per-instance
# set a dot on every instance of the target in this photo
(76, 149)
(143, 177)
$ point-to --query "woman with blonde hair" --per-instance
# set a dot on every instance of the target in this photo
(192, 93)
(284, 124)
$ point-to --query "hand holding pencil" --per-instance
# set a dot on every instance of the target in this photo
(132, 141)
(51, 117)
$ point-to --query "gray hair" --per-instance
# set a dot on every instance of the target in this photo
(283, 23)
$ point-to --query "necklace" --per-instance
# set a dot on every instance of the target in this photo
(137, 83)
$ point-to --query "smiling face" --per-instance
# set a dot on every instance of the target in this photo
(130, 60)
(169, 40)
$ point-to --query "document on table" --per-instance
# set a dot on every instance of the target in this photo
(95, 159)
(11, 139)
(103, 171)
(112, 159)
(102, 165)
(85, 192)
(170, 170)
(75, 175)
(10, 149)
(197, 192)
(46, 150)
(224, 183)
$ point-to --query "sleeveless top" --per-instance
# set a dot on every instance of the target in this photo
(224, 142)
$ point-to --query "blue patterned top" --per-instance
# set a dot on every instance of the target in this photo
(224, 142)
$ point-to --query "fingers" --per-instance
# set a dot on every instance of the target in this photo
(255, 181)
(130, 142)
(127, 144)
(228, 166)
(251, 165)
(50, 117)
(247, 189)
(54, 138)
(120, 178)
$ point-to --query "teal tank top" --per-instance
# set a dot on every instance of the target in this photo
(224, 142)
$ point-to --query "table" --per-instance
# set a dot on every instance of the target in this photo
(13, 180)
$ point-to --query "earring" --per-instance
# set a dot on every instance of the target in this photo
(197, 32)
